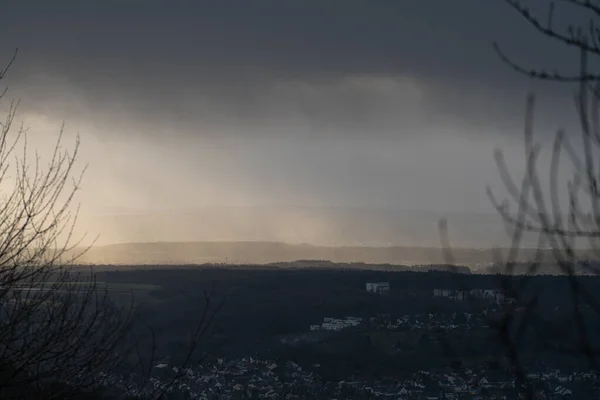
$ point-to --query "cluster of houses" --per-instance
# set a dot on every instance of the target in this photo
(267, 379)
(336, 324)
(406, 322)
(430, 321)
(492, 295)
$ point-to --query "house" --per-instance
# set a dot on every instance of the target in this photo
(442, 292)
(378, 287)
(492, 295)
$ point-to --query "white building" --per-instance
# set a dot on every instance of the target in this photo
(493, 295)
(336, 324)
(378, 287)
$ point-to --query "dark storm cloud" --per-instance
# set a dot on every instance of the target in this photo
(272, 65)
(150, 85)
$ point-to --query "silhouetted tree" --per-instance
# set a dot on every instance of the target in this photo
(531, 209)
(60, 331)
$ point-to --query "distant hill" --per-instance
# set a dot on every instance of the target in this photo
(176, 253)
(323, 264)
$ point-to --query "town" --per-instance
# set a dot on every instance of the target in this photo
(267, 379)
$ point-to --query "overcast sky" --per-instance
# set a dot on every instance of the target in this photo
(180, 104)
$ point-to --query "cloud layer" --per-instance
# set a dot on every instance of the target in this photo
(339, 103)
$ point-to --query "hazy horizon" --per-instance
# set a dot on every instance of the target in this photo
(318, 226)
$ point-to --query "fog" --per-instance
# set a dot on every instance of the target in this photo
(322, 191)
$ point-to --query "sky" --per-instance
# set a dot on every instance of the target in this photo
(373, 104)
